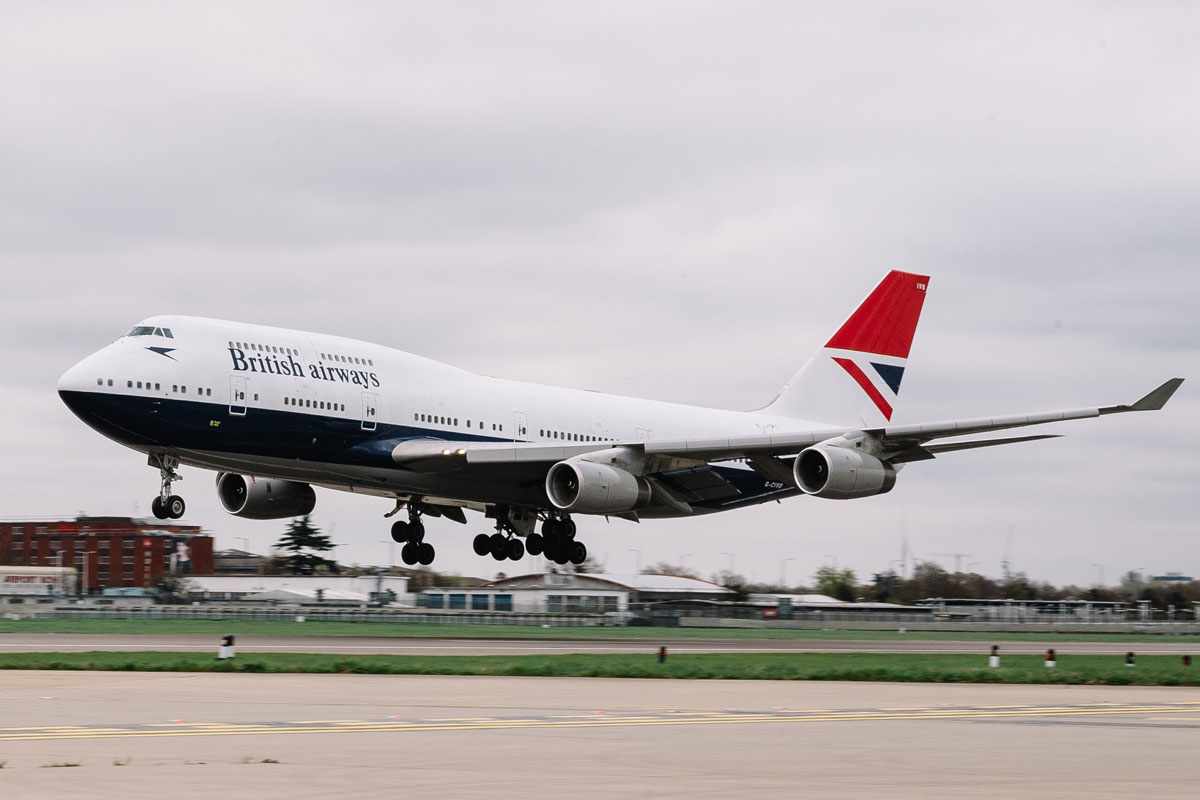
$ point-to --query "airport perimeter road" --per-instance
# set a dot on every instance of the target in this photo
(80, 642)
(317, 736)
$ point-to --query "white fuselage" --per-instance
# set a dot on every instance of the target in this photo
(237, 372)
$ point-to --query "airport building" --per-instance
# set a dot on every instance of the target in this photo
(19, 584)
(325, 590)
(571, 593)
(108, 552)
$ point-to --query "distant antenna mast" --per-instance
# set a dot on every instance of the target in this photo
(904, 557)
(1006, 560)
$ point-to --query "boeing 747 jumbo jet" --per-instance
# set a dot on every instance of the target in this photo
(276, 411)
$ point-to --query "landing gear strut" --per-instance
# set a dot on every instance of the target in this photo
(411, 534)
(167, 505)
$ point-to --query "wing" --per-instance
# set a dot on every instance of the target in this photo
(900, 442)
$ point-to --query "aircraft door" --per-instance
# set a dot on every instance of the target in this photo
(238, 386)
(370, 410)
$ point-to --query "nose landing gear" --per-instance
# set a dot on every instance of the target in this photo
(167, 505)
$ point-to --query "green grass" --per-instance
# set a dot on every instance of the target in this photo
(935, 668)
(484, 631)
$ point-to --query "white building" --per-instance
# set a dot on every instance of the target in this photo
(570, 593)
(345, 590)
(21, 582)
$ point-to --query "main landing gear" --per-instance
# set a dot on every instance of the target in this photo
(556, 541)
(411, 534)
(167, 505)
(500, 545)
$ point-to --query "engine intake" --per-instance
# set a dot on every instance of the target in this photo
(264, 498)
(591, 488)
(839, 473)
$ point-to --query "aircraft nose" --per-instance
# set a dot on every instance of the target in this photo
(73, 379)
(82, 377)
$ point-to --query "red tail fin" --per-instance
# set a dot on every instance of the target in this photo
(886, 321)
(856, 377)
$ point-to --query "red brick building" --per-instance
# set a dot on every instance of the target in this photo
(108, 551)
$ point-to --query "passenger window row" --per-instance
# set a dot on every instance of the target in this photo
(347, 359)
(452, 421)
(321, 405)
(265, 348)
(571, 437)
(153, 386)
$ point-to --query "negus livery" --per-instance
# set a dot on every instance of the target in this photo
(275, 412)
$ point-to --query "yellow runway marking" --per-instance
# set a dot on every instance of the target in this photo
(596, 721)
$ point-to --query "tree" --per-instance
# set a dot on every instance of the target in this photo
(665, 568)
(303, 541)
(837, 583)
(589, 566)
(172, 589)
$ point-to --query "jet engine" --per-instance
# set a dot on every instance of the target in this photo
(839, 473)
(264, 498)
(591, 488)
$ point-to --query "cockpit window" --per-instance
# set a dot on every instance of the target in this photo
(147, 330)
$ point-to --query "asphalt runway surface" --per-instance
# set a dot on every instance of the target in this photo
(71, 642)
(152, 735)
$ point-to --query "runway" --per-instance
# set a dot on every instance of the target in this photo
(309, 736)
(366, 645)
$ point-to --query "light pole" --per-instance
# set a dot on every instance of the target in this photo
(783, 571)
(391, 543)
(637, 553)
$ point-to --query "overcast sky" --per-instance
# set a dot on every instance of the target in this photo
(669, 200)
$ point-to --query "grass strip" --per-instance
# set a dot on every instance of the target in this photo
(908, 668)
(217, 628)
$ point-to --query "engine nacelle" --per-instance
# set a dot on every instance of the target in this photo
(839, 473)
(264, 498)
(591, 488)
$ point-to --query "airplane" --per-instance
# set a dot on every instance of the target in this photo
(274, 412)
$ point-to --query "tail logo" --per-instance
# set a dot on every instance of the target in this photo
(886, 382)
(872, 346)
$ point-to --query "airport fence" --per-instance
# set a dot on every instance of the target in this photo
(150, 613)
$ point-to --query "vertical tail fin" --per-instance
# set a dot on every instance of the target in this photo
(856, 376)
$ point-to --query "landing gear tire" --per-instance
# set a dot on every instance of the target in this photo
(567, 529)
(499, 546)
(400, 532)
(409, 554)
(534, 544)
(416, 531)
(156, 508)
(425, 552)
(578, 553)
(482, 544)
(175, 506)
(516, 550)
